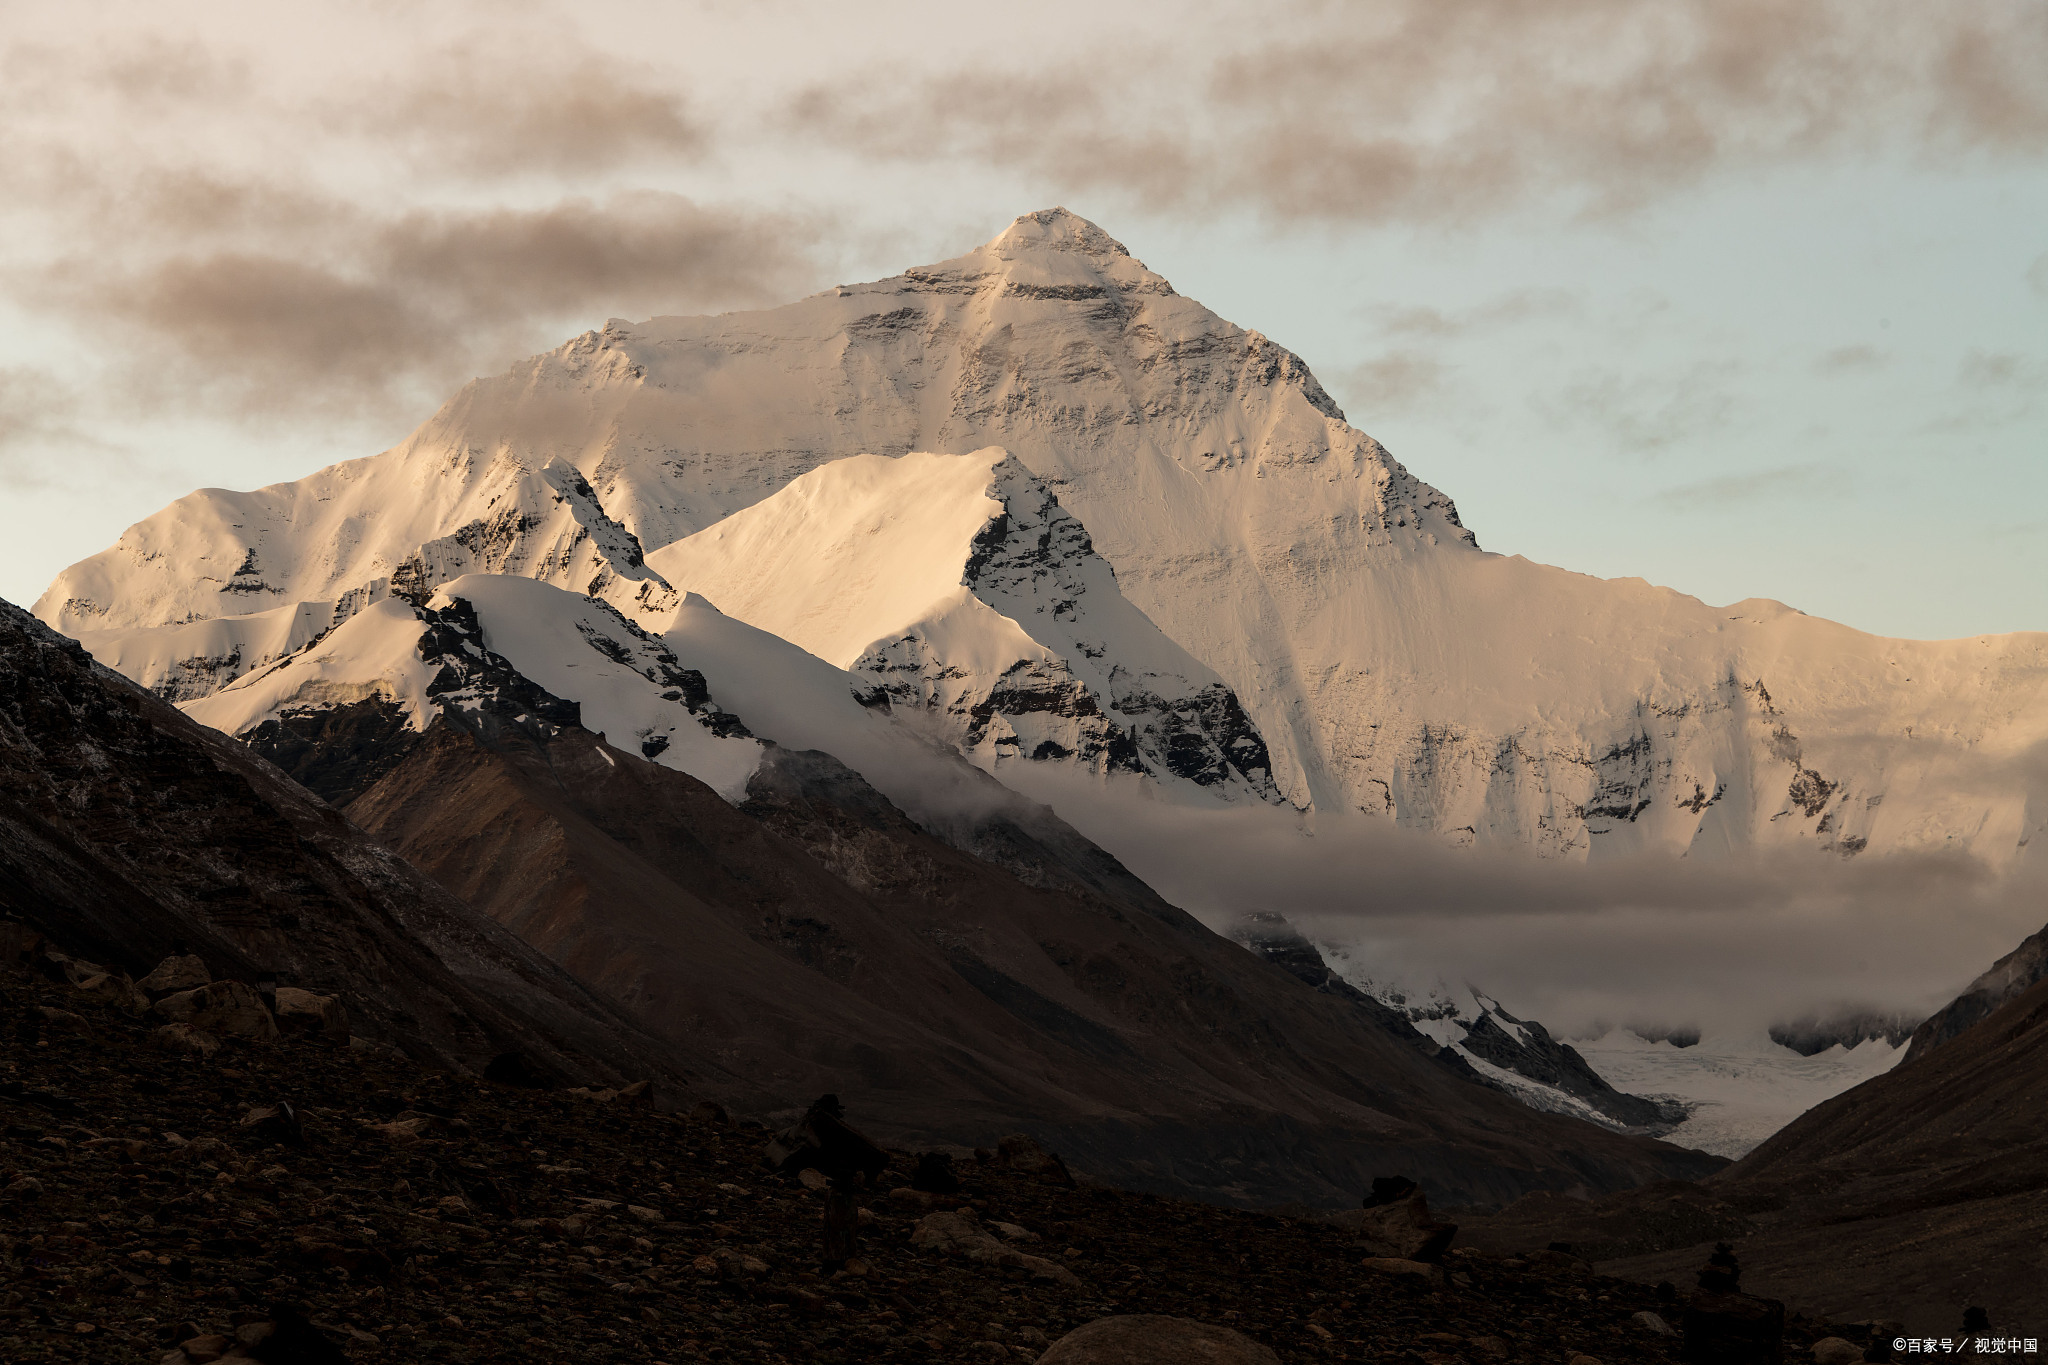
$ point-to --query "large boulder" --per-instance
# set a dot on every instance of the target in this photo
(1021, 1152)
(1150, 1339)
(301, 1011)
(228, 1009)
(959, 1234)
(1396, 1223)
(182, 973)
(116, 989)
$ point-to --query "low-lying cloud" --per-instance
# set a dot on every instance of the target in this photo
(1731, 946)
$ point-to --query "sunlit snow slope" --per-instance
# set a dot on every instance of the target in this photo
(478, 636)
(959, 585)
(1388, 665)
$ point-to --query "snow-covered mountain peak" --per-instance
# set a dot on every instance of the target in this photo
(1387, 665)
(1054, 229)
(493, 649)
(970, 597)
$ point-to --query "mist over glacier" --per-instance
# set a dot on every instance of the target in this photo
(1727, 945)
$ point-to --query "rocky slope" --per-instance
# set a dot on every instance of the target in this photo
(127, 828)
(817, 939)
(1385, 662)
(409, 1215)
(2012, 976)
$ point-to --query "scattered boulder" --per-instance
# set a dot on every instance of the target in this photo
(1656, 1326)
(17, 942)
(1020, 1152)
(1151, 1339)
(174, 974)
(1836, 1351)
(285, 1335)
(959, 1234)
(185, 1038)
(1395, 1222)
(274, 1123)
(63, 1021)
(228, 1008)
(115, 989)
(707, 1112)
(301, 1011)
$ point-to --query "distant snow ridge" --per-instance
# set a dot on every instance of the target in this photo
(327, 546)
(974, 600)
(1467, 1029)
(494, 650)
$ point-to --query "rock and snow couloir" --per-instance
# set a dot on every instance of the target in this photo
(1385, 662)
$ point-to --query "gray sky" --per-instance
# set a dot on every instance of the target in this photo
(1746, 298)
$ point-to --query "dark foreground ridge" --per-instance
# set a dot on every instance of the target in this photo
(156, 1203)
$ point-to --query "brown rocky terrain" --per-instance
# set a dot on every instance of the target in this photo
(326, 1204)
(127, 830)
(815, 939)
(1916, 1195)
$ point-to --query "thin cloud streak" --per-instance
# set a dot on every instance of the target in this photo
(1737, 490)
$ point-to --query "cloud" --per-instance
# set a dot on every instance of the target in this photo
(41, 440)
(333, 306)
(2001, 370)
(206, 226)
(1422, 110)
(1646, 414)
(1520, 305)
(1735, 944)
(1393, 382)
(491, 106)
(281, 291)
(1850, 360)
(1735, 490)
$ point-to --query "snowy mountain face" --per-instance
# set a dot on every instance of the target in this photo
(973, 600)
(1383, 661)
(486, 652)
(1468, 1029)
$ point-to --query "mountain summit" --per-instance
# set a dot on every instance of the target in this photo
(1385, 663)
